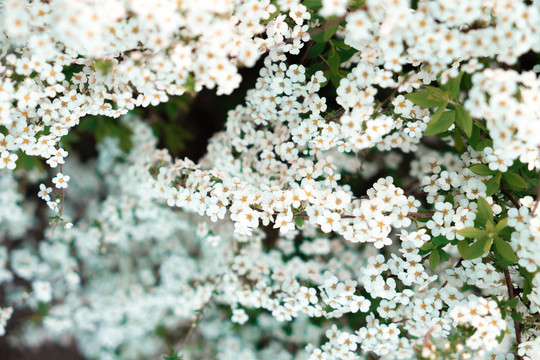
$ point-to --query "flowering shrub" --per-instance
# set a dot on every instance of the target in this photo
(373, 196)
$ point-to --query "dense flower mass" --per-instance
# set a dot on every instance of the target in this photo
(373, 195)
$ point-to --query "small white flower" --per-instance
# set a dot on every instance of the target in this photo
(61, 181)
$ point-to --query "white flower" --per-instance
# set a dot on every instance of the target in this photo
(61, 181)
(44, 192)
(7, 160)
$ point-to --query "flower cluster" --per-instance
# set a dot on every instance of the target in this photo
(375, 189)
(485, 317)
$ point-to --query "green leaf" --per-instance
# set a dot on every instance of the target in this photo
(312, 4)
(464, 120)
(453, 86)
(335, 77)
(334, 61)
(420, 98)
(527, 285)
(484, 143)
(479, 248)
(427, 246)
(463, 248)
(104, 66)
(341, 45)
(484, 211)
(471, 252)
(487, 245)
(505, 250)
(28, 162)
(481, 169)
(501, 336)
(326, 34)
(316, 50)
(434, 259)
(356, 4)
(493, 184)
(471, 232)
(516, 316)
(490, 228)
(440, 240)
(474, 140)
(299, 221)
(514, 181)
(313, 68)
(513, 302)
(443, 254)
(440, 121)
(501, 225)
(434, 93)
(458, 142)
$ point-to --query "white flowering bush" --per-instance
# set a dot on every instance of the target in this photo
(374, 196)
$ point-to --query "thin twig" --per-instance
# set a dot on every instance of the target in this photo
(197, 320)
(306, 51)
(455, 266)
(59, 216)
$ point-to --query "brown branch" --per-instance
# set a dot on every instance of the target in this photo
(510, 197)
(421, 215)
(511, 295)
(306, 51)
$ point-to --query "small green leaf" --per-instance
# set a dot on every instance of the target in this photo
(440, 240)
(514, 181)
(503, 313)
(479, 248)
(513, 302)
(501, 336)
(527, 285)
(474, 140)
(472, 232)
(505, 250)
(440, 121)
(316, 50)
(490, 227)
(516, 316)
(434, 259)
(484, 211)
(333, 60)
(104, 66)
(443, 254)
(487, 245)
(493, 184)
(427, 246)
(481, 169)
(299, 221)
(434, 93)
(464, 120)
(501, 225)
(458, 142)
(463, 248)
(326, 34)
(474, 251)
(420, 98)
(312, 4)
(453, 86)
